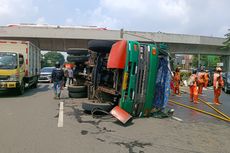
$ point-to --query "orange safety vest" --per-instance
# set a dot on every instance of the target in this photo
(206, 76)
(221, 82)
(201, 77)
(192, 80)
(177, 76)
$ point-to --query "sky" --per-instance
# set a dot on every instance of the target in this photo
(195, 17)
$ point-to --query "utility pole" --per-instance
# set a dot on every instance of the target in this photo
(122, 33)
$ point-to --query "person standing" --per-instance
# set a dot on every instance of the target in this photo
(206, 78)
(201, 81)
(218, 83)
(70, 75)
(65, 75)
(57, 77)
(192, 82)
(176, 80)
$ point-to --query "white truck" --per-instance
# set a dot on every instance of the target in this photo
(20, 65)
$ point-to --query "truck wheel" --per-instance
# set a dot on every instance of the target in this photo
(77, 59)
(77, 94)
(89, 106)
(100, 46)
(77, 52)
(77, 88)
(21, 89)
(34, 85)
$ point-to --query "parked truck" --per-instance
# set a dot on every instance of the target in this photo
(19, 65)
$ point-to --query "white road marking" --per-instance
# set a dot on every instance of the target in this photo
(60, 116)
(176, 118)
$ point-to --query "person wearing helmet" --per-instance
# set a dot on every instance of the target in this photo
(218, 83)
(192, 82)
(206, 78)
(176, 80)
(57, 77)
(201, 80)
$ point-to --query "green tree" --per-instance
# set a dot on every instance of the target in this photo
(50, 58)
(194, 60)
(209, 61)
(227, 42)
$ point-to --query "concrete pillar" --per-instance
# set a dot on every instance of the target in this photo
(226, 61)
(198, 59)
(172, 60)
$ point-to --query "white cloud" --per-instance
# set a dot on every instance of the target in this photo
(16, 10)
(94, 17)
(41, 20)
(5, 9)
(206, 17)
(69, 21)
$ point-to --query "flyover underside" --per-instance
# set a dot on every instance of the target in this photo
(52, 44)
(197, 49)
(55, 44)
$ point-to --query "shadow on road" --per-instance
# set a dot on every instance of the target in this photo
(28, 91)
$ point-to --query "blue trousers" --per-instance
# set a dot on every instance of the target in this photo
(57, 88)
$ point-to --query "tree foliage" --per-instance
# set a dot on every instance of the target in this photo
(227, 42)
(209, 61)
(50, 58)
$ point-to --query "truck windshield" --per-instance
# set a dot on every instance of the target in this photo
(8, 60)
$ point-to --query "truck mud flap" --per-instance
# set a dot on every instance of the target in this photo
(129, 77)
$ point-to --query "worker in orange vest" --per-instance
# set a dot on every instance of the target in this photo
(218, 83)
(201, 81)
(192, 82)
(176, 80)
(206, 78)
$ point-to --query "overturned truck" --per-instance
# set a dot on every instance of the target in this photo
(135, 76)
(130, 74)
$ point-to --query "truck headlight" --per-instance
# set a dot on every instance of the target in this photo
(13, 78)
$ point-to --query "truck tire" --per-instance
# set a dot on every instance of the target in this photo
(75, 89)
(100, 46)
(89, 106)
(21, 89)
(34, 85)
(78, 94)
(77, 59)
(77, 52)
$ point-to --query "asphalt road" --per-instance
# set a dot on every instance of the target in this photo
(194, 116)
(28, 124)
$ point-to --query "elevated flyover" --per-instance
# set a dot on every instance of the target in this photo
(60, 38)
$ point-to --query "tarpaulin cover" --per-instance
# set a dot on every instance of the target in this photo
(117, 55)
(162, 84)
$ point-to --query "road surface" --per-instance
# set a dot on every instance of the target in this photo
(29, 124)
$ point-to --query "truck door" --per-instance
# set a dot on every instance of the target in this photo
(21, 67)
